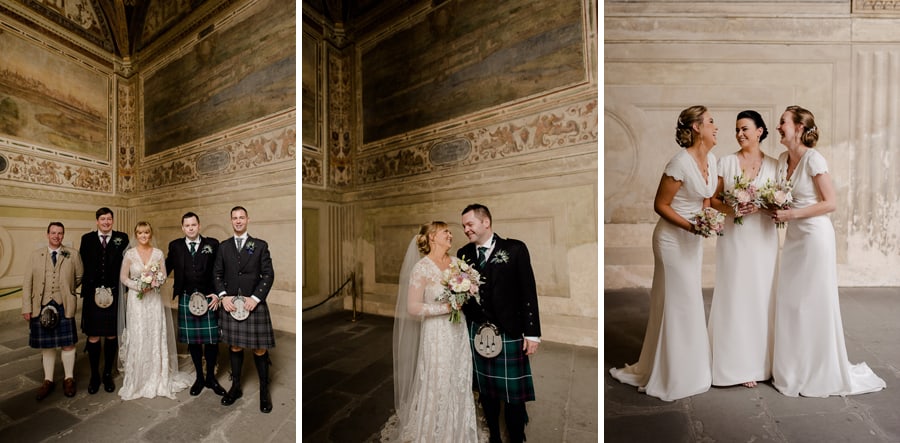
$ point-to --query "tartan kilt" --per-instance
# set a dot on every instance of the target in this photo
(97, 321)
(254, 332)
(506, 377)
(64, 334)
(194, 329)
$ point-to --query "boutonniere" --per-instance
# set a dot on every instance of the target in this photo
(206, 250)
(117, 241)
(64, 253)
(250, 246)
(500, 256)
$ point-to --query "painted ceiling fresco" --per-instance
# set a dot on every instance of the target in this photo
(120, 27)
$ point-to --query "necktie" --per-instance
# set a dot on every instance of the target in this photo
(240, 243)
(193, 247)
(482, 256)
(103, 240)
(53, 257)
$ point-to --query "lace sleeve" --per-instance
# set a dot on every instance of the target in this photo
(416, 304)
(124, 274)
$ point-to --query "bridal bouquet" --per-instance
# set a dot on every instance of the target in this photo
(151, 277)
(743, 192)
(708, 222)
(460, 283)
(776, 195)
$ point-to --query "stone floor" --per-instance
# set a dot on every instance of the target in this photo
(104, 417)
(738, 414)
(348, 386)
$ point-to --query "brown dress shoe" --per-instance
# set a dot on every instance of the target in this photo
(69, 387)
(45, 389)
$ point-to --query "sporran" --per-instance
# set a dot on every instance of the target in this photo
(240, 313)
(103, 297)
(488, 342)
(198, 304)
(49, 317)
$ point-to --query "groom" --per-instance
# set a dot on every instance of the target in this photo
(509, 302)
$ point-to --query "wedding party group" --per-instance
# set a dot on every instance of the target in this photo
(129, 324)
(775, 315)
(463, 324)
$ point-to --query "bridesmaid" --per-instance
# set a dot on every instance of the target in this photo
(742, 312)
(810, 356)
(674, 361)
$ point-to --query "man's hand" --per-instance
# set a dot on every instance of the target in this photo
(529, 346)
(249, 304)
(213, 302)
(227, 303)
(27, 316)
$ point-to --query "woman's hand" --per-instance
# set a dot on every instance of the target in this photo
(746, 209)
(783, 215)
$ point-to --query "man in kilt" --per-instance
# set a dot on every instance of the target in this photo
(51, 276)
(243, 270)
(509, 302)
(101, 252)
(191, 258)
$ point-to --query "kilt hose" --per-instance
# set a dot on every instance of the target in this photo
(254, 332)
(196, 329)
(506, 377)
(64, 334)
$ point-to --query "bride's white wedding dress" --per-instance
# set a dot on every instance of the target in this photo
(147, 351)
(437, 403)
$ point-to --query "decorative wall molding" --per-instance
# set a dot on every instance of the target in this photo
(43, 166)
(340, 103)
(266, 142)
(551, 129)
(127, 128)
(312, 168)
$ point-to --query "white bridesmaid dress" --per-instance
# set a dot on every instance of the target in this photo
(674, 361)
(742, 314)
(810, 356)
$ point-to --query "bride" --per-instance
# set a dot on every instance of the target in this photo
(147, 353)
(432, 357)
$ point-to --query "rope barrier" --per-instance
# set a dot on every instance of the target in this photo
(11, 292)
(333, 294)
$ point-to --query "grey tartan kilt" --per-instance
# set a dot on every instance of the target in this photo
(64, 334)
(194, 329)
(506, 377)
(254, 332)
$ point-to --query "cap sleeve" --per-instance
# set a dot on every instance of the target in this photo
(816, 164)
(675, 167)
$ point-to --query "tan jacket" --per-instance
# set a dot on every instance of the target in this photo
(70, 273)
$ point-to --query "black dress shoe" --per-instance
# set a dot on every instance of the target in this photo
(216, 387)
(231, 396)
(265, 401)
(197, 387)
(94, 385)
(108, 384)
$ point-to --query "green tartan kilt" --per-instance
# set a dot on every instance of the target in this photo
(506, 377)
(193, 329)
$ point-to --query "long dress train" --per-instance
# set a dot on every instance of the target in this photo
(810, 354)
(674, 361)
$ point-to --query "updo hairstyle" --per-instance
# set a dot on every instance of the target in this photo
(684, 131)
(425, 232)
(810, 133)
(757, 120)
